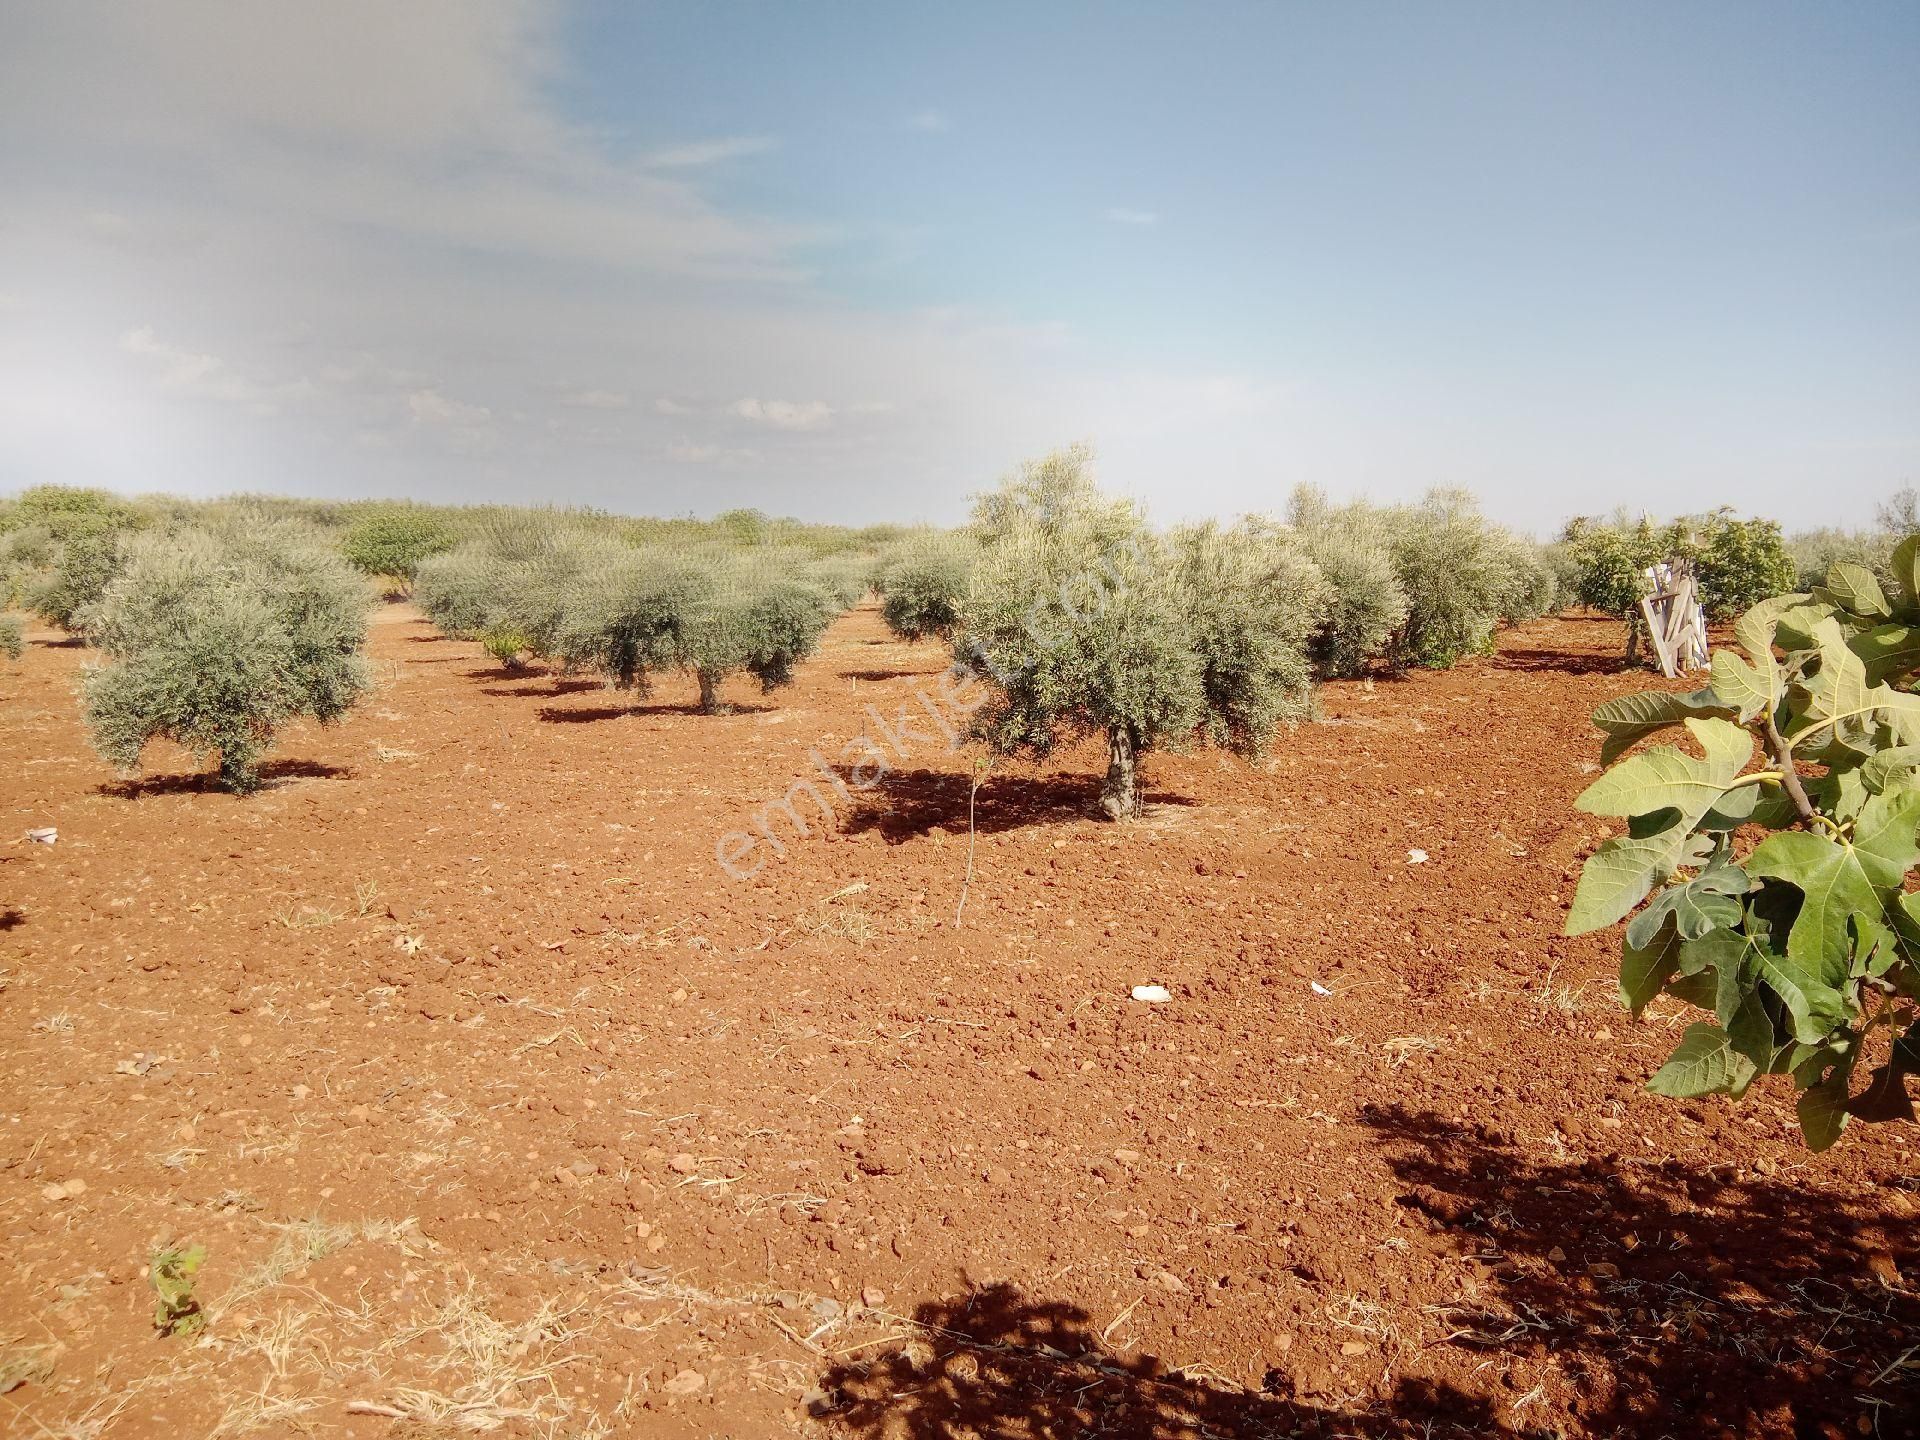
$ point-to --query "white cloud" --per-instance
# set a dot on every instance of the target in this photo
(430, 407)
(597, 400)
(710, 152)
(784, 414)
(193, 375)
(689, 453)
(1122, 215)
(667, 405)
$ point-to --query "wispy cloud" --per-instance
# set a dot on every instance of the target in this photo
(194, 375)
(934, 121)
(784, 414)
(597, 400)
(710, 152)
(1124, 215)
(688, 453)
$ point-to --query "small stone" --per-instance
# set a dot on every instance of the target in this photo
(74, 1187)
(687, 1382)
(683, 1164)
(1353, 1347)
(873, 1295)
(55, 1191)
(1557, 1255)
(1127, 1157)
(360, 1112)
(301, 1092)
(656, 1243)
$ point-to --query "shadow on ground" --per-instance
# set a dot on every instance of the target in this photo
(1673, 1296)
(273, 774)
(992, 1362)
(907, 803)
(1668, 1301)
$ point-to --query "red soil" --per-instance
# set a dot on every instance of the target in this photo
(494, 1101)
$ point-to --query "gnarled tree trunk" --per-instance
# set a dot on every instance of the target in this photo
(1120, 796)
(709, 693)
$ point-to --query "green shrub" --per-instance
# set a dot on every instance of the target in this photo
(1254, 603)
(463, 591)
(83, 568)
(393, 541)
(1366, 605)
(752, 616)
(1457, 570)
(217, 640)
(921, 579)
(13, 639)
(1532, 586)
(843, 577)
(624, 619)
(1086, 621)
(1739, 563)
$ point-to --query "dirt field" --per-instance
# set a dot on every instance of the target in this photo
(496, 1103)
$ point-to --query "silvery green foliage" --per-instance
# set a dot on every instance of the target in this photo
(842, 577)
(13, 640)
(83, 566)
(464, 591)
(217, 639)
(1532, 586)
(1366, 605)
(1087, 621)
(755, 614)
(1805, 948)
(623, 618)
(1457, 569)
(921, 579)
(704, 609)
(1255, 601)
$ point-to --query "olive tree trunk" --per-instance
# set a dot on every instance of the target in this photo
(1120, 796)
(709, 693)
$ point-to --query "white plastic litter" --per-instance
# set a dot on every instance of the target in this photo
(1416, 857)
(45, 835)
(1318, 988)
(1152, 994)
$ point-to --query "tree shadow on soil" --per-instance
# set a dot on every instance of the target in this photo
(1669, 1300)
(556, 684)
(1673, 1298)
(992, 1362)
(580, 715)
(65, 642)
(907, 803)
(12, 918)
(1560, 662)
(272, 775)
(877, 675)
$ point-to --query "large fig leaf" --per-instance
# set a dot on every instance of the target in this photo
(1704, 1063)
(1630, 719)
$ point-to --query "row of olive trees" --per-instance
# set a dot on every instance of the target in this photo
(541, 586)
(1086, 620)
(1409, 585)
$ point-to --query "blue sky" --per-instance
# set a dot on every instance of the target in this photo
(854, 261)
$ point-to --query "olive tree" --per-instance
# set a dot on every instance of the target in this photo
(920, 579)
(704, 609)
(1086, 621)
(755, 616)
(1366, 604)
(1458, 571)
(217, 640)
(393, 540)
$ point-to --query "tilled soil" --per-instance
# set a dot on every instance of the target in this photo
(496, 1103)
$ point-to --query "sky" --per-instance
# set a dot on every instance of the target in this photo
(854, 261)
